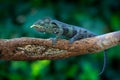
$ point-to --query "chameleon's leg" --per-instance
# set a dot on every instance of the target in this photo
(54, 40)
(74, 38)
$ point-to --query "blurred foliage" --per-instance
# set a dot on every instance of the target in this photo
(99, 16)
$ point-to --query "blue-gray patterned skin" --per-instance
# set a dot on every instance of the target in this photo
(62, 29)
(58, 28)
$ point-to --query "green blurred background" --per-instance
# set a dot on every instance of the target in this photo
(99, 16)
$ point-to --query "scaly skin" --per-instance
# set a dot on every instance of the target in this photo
(62, 29)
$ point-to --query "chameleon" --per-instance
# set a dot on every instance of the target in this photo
(72, 32)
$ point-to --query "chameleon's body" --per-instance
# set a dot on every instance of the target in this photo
(62, 29)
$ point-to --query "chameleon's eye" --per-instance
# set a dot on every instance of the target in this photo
(55, 32)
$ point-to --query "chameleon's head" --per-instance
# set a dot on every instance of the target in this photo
(45, 25)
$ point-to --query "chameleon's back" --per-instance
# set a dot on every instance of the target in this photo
(71, 30)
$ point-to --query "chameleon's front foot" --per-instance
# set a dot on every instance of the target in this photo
(71, 41)
(54, 41)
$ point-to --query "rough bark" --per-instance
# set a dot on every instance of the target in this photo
(38, 49)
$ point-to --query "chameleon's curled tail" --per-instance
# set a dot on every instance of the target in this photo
(104, 64)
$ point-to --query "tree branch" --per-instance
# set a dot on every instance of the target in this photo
(38, 49)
